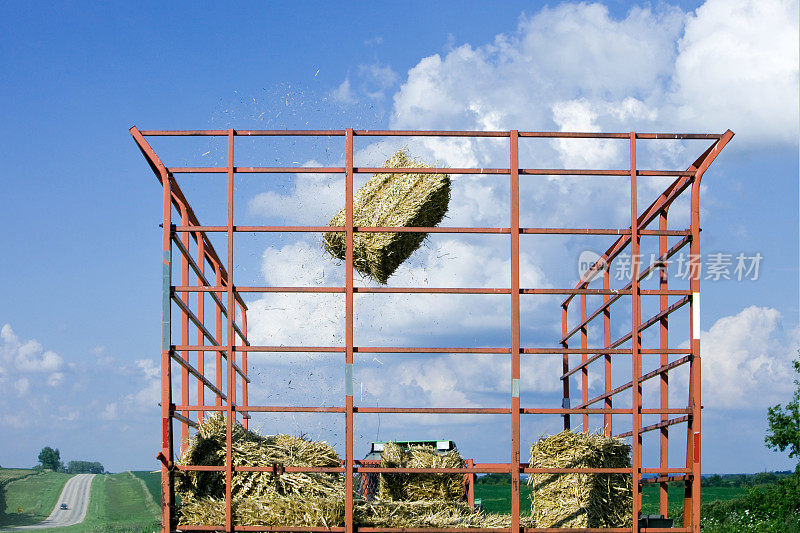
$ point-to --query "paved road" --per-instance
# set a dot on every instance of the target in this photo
(76, 495)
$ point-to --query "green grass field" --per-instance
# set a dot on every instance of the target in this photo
(152, 481)
(119, 503)
(10, 474)
(36, 495)
(495, 498)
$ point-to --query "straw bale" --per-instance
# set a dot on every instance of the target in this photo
(415, 487)
(267, 510)
(391, 200)
(277, 510)
(581, 500)
(251, 449)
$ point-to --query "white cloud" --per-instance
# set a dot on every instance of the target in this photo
(110, 411)
(343, 93)
(746, 360)
(27, 357)
(738, 68)
(315, 199)
(22, 385)
(732, 64)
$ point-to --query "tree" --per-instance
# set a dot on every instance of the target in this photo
(784, 424)
(84, 467)
(50, 458)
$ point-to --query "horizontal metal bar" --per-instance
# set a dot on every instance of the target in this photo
(666, 479)
(288, 409)
(215, 347)
(577, 470)
(422, 133)
(416, 350)
(372, 410)
(452, 171)
(205, 282)
(666, 470)
(574, 411)
(299, 529)
(436, 410)
(420, 229)
(423, 290)
(648, 323)
(196, 373)
(659, 425)
(188, 421)
(656, 264)
(645, 377)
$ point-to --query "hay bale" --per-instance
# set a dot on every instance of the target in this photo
(276, 510)
(391, 200)
(251, 449)
(267, 510)
(424, 514)
(581, 500)
(415, 487)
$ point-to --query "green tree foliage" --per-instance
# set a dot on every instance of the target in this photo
(84, 467)
(784, 424)
(50, 458)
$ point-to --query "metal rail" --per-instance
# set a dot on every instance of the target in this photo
(183, 231)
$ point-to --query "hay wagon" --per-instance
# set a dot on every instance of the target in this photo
(218, 334)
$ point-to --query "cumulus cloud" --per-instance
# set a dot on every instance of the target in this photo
(737, 68)
(27, 356)
(730, 64)
(747, 360)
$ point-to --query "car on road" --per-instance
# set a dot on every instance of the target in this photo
(64, 507)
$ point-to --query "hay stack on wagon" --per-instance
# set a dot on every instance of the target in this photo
(581, 500)
(308, 499)
(207, 448)
(391, 200)
(420, 487)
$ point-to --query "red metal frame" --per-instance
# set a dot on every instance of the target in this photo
(233, 343)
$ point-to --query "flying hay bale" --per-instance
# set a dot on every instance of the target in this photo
(391, 200)
(581, 500)
(251, 449)
(429, 487)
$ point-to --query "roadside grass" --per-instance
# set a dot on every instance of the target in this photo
(152, 481)
(120, 503)
(36, 495)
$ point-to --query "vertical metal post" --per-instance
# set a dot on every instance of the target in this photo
(184, 328)
(515, 412)
(230, 341)
(608, 417)
(663, 505)
(348, 333)
(565, 365)
(635, 343)
(695, 383)
(584, 358)
(471, 485)
(245, 399)
(218, 335)
(167, 496)
(201, 315)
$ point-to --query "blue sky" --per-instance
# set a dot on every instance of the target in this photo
(81, 312)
